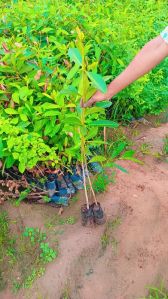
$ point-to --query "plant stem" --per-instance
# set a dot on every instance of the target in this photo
(90, 183)
(105, 140)
(84, 183)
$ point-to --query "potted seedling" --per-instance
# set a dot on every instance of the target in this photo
(90, 212)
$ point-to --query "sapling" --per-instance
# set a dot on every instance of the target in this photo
(84, 87)
(87, 81)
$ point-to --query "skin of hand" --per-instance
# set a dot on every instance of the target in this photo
(148, 57)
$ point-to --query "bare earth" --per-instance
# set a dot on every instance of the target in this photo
(140, 257)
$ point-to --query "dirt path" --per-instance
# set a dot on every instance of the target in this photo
(137, 253)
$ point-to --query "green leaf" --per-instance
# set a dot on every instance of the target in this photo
(48, 128)
(75, 55)
(73, 120)
(23, 117)
(46, 29)
(39, 124)
(118, 149)
(9, 161)
(104, 123)
(133, 160)
(55, 130)
(14, 120)
(1, 148)
(48, 106)
(73, 71)
(15, 97)
(103, 104)
(22, 167)
(98, 158)
(93, 110)
(92, 133)
(22, 196)
(128, 154)
(98, 81)
(24, 92)
(120, 168)
(51, 113)
(11, 111)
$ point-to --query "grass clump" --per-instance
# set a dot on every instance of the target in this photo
(165, 146)
(157, 293)
(107, 237)
(101, 182)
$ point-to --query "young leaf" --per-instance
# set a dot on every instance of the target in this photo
(120, 168)
(73, 71)
(98, 81)
(104, 104)
(75, 55)
(73, 120)
(23, 117)
(11, 111)
(133, 160)
(104, 123)
(97, 158)
(22, 167)
(128, 154)
(48, 106)
(51, 113)
(9, 161)
(118, 149)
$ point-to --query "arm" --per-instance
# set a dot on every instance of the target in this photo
(149, 56)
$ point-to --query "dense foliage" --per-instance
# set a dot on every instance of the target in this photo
(40, 85)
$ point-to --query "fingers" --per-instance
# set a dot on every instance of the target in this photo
(89, 103)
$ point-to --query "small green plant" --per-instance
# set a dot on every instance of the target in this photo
(65, 294)
(34, 234)
(26, 253)
(47, 254)
(157, 293)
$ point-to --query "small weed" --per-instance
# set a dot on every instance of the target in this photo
(145, 149)
(56, 220)
(114, 243)
(157, 123)
(65, 294)
(114, 223)
(107, 236)
(74, 199)
(165, 147)
(69, 220)
(105, 240)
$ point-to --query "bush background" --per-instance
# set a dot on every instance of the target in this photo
(34, 40)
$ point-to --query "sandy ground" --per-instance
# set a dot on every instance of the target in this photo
(140, 255)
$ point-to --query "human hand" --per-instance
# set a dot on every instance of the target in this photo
(97, 97)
